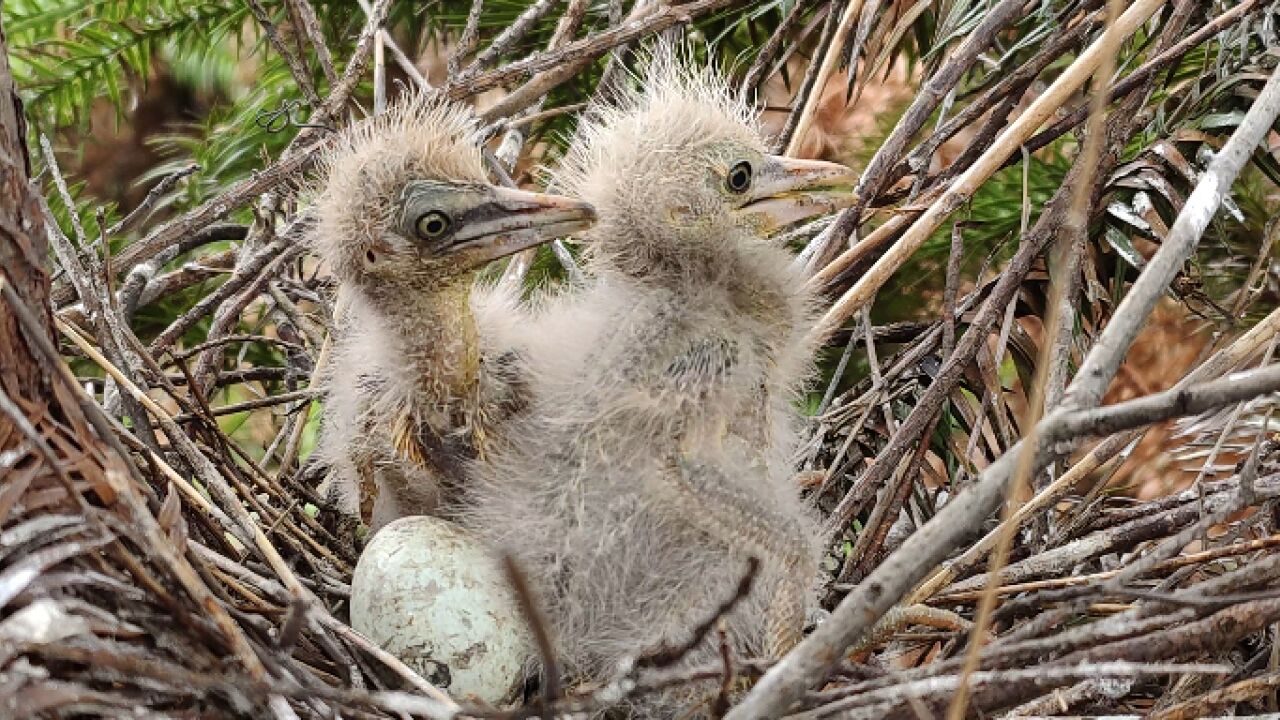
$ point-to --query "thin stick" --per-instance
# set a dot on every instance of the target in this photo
(588, 48)
(513, 34)
(983, 168)
(153, 196)
(926, 101)
(379, 76)
(829, 62)
(311, 28)
(466, 41)
(247, 405)
(400, 57)
(208, 472)
(920, 552)
(1195, 558)
(1061, 318)
(301, 74)
(537, 621)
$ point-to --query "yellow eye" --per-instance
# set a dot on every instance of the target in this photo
(739, 178)
(432, 225)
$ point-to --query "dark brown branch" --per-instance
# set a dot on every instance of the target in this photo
(588, 48)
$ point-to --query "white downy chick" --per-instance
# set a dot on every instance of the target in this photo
(421, 372)
(654, 459)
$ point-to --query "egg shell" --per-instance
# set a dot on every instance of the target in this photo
(429, 593)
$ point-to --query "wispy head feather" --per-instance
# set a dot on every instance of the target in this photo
(673, 109)
(361, 175)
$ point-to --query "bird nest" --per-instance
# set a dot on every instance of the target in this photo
(198, 571)
(186, 566)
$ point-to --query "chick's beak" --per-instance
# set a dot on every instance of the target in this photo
(511, 220)
(787, 190)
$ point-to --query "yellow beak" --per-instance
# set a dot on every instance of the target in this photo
(787, 190)
(511, 220)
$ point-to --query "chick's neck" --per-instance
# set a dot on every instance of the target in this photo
(746, 270)
(439, 342)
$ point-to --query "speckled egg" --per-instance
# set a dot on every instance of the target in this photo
(430, 594)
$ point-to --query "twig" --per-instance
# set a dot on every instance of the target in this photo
(925, 102)
(506, 40)
(1012, 84)
(186, 575)
(537, 117)
(815, 77)
(1247, 292)
(257, 404)
(1044, 498)
(228, 312)
(1148, 70)
(1060, 701)
(90, 285)
(1220, 699)
(588, 48)
(379, 75)
(467, 40)
(310, 26)
(877, 703)
(1183, 520)
(986, 165)
(1164, 405)
(551, 691)
(153, 196)
(268, 258)
(345, 632)
(229, 339)
(951, 289)
(403, 60)
(301, 74)
(238, 195)
(1076, 227)
(351, 75)
(509, 150)
(721, 704)
(756, 74)
(948, 596)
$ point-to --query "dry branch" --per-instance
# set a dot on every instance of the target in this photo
(991, 160)
(807, 664)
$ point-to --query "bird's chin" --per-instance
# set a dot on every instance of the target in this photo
(774, 213)
(488, 248)
(564, 229)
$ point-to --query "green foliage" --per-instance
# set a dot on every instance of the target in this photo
(232, 140)
(68, 53)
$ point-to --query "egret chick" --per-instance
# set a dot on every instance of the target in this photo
(405, 219)
(654, 459)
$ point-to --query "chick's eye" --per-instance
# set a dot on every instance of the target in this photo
(739, 178)
(432, 225)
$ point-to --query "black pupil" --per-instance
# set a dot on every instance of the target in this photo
(433, 224)
(740, 177)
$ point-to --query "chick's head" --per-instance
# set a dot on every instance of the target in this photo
(680, 165)
(403, 203)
